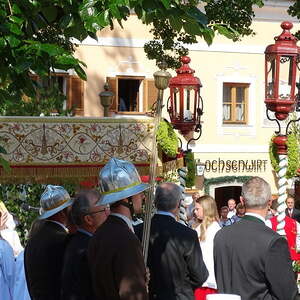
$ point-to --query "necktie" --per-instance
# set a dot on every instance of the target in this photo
(290, 212)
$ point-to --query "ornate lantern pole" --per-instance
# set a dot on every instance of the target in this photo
(161, 78)
(185, 107)
(281, 64)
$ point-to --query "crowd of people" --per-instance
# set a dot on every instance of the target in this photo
(87, 248)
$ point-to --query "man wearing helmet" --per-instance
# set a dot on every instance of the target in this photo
(115, 253)
(44, 251)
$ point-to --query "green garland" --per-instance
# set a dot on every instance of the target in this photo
(167, 139)
(293, 155)
(191, 169)
(223, 179)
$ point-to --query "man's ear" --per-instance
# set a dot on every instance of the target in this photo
(87, 219)
(242, 200)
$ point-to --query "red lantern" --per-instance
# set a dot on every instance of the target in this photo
(281, 60)
(185, 107)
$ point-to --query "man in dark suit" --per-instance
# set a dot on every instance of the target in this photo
(252, 260)
(115, 253)
(175, 258)
(291, 211)
(87, 216)
(44, 252)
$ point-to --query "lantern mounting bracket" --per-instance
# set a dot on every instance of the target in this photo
(197, 129)
(278, 123)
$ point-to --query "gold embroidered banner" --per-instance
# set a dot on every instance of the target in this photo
(55, 149)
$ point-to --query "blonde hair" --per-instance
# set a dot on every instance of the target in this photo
(210, 214)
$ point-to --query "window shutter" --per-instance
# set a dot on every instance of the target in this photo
(151, 93)
(113, 87)
(75, 95)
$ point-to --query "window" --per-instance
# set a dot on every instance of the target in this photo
(133, 94)
(235, 103)
(71, 86)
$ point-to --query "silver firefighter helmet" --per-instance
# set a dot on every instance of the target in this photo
(54, 199)
(119, 179)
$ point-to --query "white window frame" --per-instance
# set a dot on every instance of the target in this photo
(224, 129)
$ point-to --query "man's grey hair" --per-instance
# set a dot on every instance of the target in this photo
(82, 205)
(167, 196)
(256, 193)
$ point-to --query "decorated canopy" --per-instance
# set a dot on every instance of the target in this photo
(71, 149)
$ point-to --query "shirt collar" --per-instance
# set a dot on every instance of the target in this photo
(256, 216)
(84, 231)
(165, 213)
(124, 218)
(60, 224)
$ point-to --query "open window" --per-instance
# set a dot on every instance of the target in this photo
(133, 94)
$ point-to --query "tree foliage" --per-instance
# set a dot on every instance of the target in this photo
(294, 11)
(36, 35)
(183, 22)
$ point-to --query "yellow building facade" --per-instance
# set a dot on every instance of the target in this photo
(236, 132)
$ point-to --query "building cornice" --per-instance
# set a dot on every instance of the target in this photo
(274, 11)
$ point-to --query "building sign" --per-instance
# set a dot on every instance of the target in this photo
(235, 166)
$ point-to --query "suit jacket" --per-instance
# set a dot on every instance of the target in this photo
(76, 279)
(116, 262)
(295, 214)
(43, 259)
(253, 261)
(174, 260)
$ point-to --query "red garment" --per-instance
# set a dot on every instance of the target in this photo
(290, 229)
(200, 293)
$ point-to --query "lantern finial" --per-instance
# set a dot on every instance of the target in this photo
(286, 25)
(286, 35)
(185, 60)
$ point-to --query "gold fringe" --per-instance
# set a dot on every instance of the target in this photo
(54, 175)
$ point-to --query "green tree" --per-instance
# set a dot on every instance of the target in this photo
(294, 11)
(36, 35)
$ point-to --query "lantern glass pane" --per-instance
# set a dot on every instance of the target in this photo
(271, 67)
(227, 103)
(177, 103)
(240, 104)
(285, 77)
(189, 103)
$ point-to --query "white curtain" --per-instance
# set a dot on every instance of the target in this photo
(240, 112)
(226, 112)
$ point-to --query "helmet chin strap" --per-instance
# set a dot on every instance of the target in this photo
(129, 205)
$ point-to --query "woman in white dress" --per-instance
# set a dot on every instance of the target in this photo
(206, 213)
